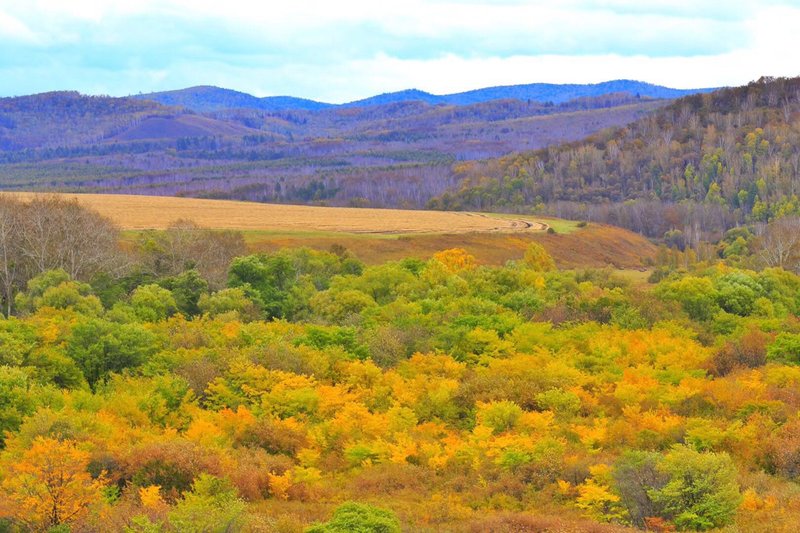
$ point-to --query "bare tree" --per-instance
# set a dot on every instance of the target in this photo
(185, 245)
(58, 233)
(48, 233)
(779, 243)
(10, 241)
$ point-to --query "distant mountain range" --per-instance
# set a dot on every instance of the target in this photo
(207, 98)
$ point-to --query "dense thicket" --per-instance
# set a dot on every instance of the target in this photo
(310, 391)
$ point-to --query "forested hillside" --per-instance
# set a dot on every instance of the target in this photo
(392, 155)
(701, 165)
(179, 383)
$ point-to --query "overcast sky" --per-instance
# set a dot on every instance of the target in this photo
(342, 50)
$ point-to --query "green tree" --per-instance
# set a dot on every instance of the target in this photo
(100, 347)
(212, 506)
(701, 493)
(351, 517)
(152, 303)
(785, 349)
(187, 288)
(271, 277)
(233, 300)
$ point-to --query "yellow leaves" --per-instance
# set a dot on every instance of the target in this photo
(752, 502)
(432, 365)
(150, 497)
(565, 488)
(279, 485)
(205, 432)
(235, 423)
(442, 509)
(231, 330)
(332, 398)
(593, 436)
(733, 392)
(637, 387)
(308, 475)
(308, 456)
(402, 449)
(537, 258)
(536, 422)
(50, 485)
(455, 260)
(598, 502)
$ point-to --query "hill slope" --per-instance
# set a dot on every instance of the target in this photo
(700, 165)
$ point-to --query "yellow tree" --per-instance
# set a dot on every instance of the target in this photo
(537, 258)
(455, 260)
(49, 485)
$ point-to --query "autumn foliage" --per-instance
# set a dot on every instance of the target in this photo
(313, 391)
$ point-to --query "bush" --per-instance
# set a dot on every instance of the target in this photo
(702, 492)
(351, 517)
(785, 349)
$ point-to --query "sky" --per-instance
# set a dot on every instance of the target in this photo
(339, 51)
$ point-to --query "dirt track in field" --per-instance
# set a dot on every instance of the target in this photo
(157, 212)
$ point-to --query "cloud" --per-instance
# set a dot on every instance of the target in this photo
(352, 48)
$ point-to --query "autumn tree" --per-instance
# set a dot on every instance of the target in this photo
(537, 258)
(49, 485)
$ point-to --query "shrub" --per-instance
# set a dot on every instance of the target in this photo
(351, 517)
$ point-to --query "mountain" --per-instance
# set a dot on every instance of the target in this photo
(68, 120)
(206, 98)
(697, 167)
(395, 154)
(539, 92)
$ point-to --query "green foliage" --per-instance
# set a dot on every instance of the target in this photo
(785, 349)
(352, 517)
(187, 289)
(55, 289)
(702, 492)
(212, 506)
(500, 416)
(100, 347)
(152, 303)
(697, 296)
(15, 400)
(234, 300)
(270, 277)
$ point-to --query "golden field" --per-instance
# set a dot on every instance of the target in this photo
(379, 235)
(131, 212)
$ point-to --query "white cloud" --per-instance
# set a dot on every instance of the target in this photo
(340, 51)
(14, 29)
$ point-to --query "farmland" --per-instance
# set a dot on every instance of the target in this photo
(154, 212)
(379, 235)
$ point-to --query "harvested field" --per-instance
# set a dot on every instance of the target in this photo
(378, 235)
(158, 212)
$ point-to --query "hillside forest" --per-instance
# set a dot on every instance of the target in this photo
(384, 153)
(685, 174)
(175, 381)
